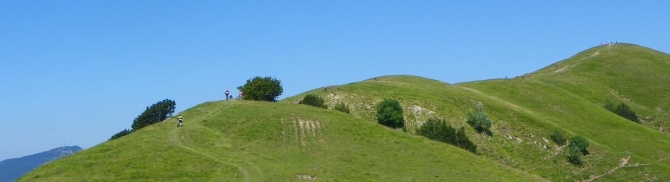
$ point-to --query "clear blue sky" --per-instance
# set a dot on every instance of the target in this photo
(77, 72)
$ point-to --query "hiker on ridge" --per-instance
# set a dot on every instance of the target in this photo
(179, 124)
(227, 94)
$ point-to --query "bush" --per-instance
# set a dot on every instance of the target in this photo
(342, 108)
(262, 89)
(154, 114)
(439, 130)
(578, 145)
(581, 143)
(120, 134)
(479, 120)
(610, 106)
(389, 113)
(464, 142)
(558, 136)
(313, 100)
(574, 155)
(622, 110)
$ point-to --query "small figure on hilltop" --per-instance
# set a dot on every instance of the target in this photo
(325, 89)
(179, 124)
(375, 78)
(241, 94)
(227, 93)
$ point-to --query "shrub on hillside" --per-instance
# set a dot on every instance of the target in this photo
(439, 130)
(574, 155)
(610, 106)
(622, 110)
(464, 142)
(342, 108)
(479, 120)
(313, 100)
(154, 114)
(558, 136)
(578, 145)
(262, 89)
(120, 134)
(389, 113)
(581, 143)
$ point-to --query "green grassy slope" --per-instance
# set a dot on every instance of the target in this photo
(255, 141)
(285, 141)
(635, 75)
(569, 96)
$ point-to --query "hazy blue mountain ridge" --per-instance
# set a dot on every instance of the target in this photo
(13, 169)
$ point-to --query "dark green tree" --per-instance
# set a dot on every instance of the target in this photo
(313, 100)
(120, 134)
(262, 89)
(155, 113)
(479, 120)
(389, 113)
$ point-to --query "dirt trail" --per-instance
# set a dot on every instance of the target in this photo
(176, 136)
(623, 163)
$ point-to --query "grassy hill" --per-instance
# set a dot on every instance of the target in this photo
(568, 96)
(256, 141)
(282, 141)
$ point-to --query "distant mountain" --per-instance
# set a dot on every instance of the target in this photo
(12, 169)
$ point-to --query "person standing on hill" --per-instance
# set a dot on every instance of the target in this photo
(179, 124)
(227, 94)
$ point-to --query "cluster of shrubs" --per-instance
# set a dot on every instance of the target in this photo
(577, 148)
(313, 100)
(578, 145)
(390, 113)
(316, 101)
(622, 110)
(439, 130)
